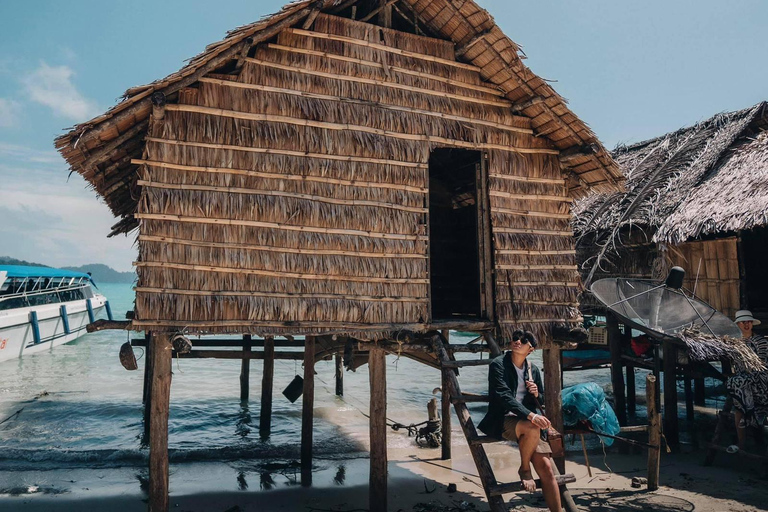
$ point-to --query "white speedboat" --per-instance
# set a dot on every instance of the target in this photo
(42, 307)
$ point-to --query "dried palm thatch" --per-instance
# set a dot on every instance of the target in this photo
(680, 172)
(707, 347)
(282, 188)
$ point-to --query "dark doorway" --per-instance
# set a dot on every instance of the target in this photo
(754, 247)
(454, 255)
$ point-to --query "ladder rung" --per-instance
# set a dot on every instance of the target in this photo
(498, 490)
(465, 397)
(469, 362)
(483, 440)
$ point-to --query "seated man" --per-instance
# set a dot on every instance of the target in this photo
(513, 388)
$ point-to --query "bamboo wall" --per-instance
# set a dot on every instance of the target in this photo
(292, 197)
(716, 263)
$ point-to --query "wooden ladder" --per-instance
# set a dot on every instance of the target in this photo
(494, 491)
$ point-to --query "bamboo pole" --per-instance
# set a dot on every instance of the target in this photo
(267, 381)
(654, 433)
(446, 412)
(307, 411)
(383, 48)
(277, 193)
(160, 405)
(248, 116)
(525, 231)
(532, 197)
(147, 399)
(288, 152)
(285, 227)
(378, 430)
(531, 213)
(273, 175)
(245, 370)
(206, 293)
(285, 275)
(286, 250)
(670, 428)
(332, 327)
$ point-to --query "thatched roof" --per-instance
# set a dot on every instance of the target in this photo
(708, 178)
(102, 148)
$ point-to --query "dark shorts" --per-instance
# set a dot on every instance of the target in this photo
(509, 434)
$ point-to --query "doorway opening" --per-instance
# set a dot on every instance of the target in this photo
(754, 244)
(454, 234)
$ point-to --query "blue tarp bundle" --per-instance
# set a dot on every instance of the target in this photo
(587, 402)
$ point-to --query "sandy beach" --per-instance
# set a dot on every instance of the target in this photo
(418, 481)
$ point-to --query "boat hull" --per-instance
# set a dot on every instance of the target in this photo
(17, 332)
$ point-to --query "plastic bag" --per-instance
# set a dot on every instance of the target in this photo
(587, 402)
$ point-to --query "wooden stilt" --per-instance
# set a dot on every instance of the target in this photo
(699, 391)
(147, 395)
(307, 411)
(553, 399)
(670, 428)
(267, 379)
(654, 433)
(631, 390)
(617, 379)
(688, 384)
(339, 360)
(377, 493)
(160, 405)
(245, 370)
(446, 416)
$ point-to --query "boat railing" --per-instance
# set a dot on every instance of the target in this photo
(58, 294)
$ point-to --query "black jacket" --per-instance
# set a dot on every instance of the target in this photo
(502, 387)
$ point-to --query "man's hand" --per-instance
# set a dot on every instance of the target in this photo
(532, 388)
(540, 421)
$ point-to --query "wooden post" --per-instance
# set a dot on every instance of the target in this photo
(245, 370)
(699, 391)
(654, 433)
(617, 379)
(670, 395)
(267, 379)
(688, 384)
(339, 360)
(147, 398)
(377, 492)
(160, 405)
(553, 388)
(385, 18)
(307, 411)
(631, 390)
(446, 415)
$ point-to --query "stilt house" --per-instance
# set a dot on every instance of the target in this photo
(349, 168)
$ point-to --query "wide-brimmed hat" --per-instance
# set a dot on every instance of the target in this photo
(744, 315)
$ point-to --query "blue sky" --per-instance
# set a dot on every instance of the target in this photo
(632, 70)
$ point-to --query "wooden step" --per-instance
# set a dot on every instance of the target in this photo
(469, 397)
(499, 489)
(467, 362)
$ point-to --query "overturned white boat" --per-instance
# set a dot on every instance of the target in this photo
(42, 307)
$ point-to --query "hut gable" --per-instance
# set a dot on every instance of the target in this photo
(308, 175)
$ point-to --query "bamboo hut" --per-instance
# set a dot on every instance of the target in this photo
(695, 198)
(353, 169)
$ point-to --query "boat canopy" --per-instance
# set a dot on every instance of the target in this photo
(21, 271)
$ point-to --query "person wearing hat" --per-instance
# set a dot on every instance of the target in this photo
(749, 390)
(514, 386)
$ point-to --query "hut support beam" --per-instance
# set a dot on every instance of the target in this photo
(307, 411)
(245, 370)
(267, 378)
(698, 391)
(553, 387)
(617, 379)
(671, 432)
(377, 493)
(339, 362)
(654, 433)
(160, 404)
(446, 412)
(147, 395)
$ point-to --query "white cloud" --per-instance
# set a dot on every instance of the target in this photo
(52, 86)
(9, 110)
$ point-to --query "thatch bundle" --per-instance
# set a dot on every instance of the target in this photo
(708, 347)
(284, 187)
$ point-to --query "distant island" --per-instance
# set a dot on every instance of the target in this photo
(101, 273)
